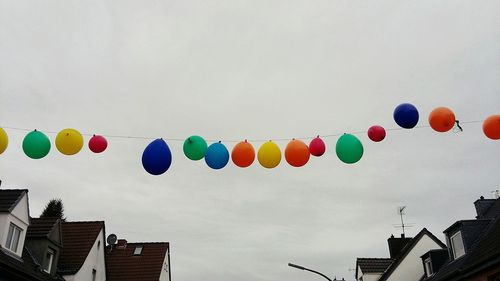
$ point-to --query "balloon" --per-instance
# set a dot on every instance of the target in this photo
(243, 154)
(269, 155)
(442, 119)
(317, 147)
(36, 145)
(217, 156)
(69, 141)
(195, 147)
(406, 115)
(349, 149)
(376, 133)
(98, 144)
(297, 153)
(156, 158)
(4, 140)
(491, 127)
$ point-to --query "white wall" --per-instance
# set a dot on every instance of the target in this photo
(411, 268)
(95, 260)
(164, 275)
(20, 217)
(368, 276)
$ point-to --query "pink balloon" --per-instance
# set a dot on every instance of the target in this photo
(98, 144)
(376, 133)
(317, 147)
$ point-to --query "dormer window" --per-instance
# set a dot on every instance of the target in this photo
(428, 267)
(13, 237)
(457, 245)
(138, 250)
(47, 263)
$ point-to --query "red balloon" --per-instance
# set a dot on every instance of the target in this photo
(376, 133)
(243, 154)
(491, 127)
(317, 147)
(297, 153)
(442, 119)
(98, 144)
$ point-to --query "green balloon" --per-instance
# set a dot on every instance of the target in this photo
(195, 147)
(349, 149)
(36, 145)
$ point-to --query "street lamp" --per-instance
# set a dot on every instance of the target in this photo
(303, 268)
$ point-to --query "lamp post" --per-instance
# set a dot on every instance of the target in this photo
(313, 271)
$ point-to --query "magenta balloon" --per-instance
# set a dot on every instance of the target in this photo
(317, 147)
(376, 133)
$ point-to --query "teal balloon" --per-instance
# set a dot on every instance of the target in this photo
(349, 149)
(217, 156)
(195, 147)
(36, 145)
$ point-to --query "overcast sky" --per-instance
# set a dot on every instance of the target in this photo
(232, 70)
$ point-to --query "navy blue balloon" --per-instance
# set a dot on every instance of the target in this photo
(156, 158)
(217, 156)
(406, 115)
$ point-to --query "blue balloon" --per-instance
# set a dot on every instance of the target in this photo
(406, 115)
(156, 158)
(217, 156)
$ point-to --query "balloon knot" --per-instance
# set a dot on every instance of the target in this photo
(458, 125)
(220, 141)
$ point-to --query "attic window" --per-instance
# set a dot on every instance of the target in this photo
(138, 250)
(428, 267)
(457, 245)
(13, 237)
(47, 263)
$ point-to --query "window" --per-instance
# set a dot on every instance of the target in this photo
(98, 244)
(13, 237)
(47, 262)
(138, 250)
(428, 267)
(457, 245)
(94, 274)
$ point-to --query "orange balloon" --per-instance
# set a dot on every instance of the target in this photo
(442, 119)
(297, 153)
(243, 154)
(491, 127)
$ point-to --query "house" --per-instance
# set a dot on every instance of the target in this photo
(473, 251)
(145, 261)
(370, 269)
(404, 262)
(18, 261)
(82, 256)
(49, 249)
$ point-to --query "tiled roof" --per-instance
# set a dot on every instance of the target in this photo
(14, 268)
(373, 265)
(122, 265)
(407, 249)
(40, 227)
(77, 239)
(9, 198)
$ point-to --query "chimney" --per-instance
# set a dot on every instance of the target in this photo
(121, 244)
(397, 244)
(482, 206)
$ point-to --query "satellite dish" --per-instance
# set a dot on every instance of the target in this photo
(111, 239)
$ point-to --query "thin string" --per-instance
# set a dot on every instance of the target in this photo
(236, 141)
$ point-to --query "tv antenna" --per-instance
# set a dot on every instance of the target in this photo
(401, 212)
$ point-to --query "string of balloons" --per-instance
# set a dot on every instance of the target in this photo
(157, 157)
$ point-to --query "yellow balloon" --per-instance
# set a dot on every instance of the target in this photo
(69, 141)
(269, 155)
(4, 140)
